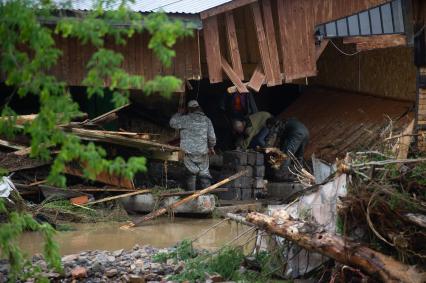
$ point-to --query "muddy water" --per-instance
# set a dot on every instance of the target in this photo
(160, 233)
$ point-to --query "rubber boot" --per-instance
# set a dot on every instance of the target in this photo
(205, 182)
(191, 182)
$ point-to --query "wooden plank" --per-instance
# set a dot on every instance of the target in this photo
(212, 47)
(241, 88)
(396, 38)
(320, 49)
(233, 45)
(12, 145)
(257, 79)
(404, 143)
(225, 8)
(272, 43)
(281, 25)
(297, 32)
(119, 196)
(263, 45)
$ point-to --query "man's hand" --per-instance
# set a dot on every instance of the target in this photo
(211, 151)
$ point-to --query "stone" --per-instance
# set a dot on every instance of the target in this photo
(136, 247)
(246, 182)
(214, 277)
(170, 261)
(101, 258)
(260, 159)
(155, 265)
(231, 194)
(4, 268)
(234, 158)
(179, 267)
(69, 258)
(117, 253)
(111, 272)
(111, 258)
(79, 272)
(283, 189)
(251, 158)
(97, 267)
(259, 183)
(259, 171)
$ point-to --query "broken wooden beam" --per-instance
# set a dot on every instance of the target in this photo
(20, 119)
(212, 47)
(12, 145)
(338, 248)
(241, 88)
(257, 79)
(106, 117)
(171, 207)
(234, 51)
(103, 177)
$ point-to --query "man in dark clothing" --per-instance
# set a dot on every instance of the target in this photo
(291, 136)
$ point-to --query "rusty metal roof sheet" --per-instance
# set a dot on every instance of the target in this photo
(341, 121)
(168, 6)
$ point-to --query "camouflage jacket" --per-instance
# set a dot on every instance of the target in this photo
(196, 132)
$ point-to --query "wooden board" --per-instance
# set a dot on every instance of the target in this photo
(263, 44)
(257, 79)
(212, 46)
(297, 36)
(272, 43)
(224, 8)
(241, 88)
(234, 51)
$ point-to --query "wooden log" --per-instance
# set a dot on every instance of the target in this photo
(119, 196)
(241, 88)
(12, 145)
(403, 145)
(234, 51)
(106, 117)
(212, 47)
(272, 42)
(338, 248)
(163, 210)
(263, 44)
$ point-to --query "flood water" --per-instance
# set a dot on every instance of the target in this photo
(160, 233)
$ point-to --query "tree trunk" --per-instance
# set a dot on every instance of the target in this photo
(342, 250)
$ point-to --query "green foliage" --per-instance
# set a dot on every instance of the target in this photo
(9, 234)
(184, 251)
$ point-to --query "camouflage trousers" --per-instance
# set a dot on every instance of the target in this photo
(197, 164)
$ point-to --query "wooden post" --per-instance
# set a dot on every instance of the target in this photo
(163, 210)
(272, 43)
(212, 47)
(342, 250)
(263, 45)
(233, 45)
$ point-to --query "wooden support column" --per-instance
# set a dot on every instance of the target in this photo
(212, 46)
(296, 19)
(263, 45)
(233, 45)
(241, 88)
(272, 43)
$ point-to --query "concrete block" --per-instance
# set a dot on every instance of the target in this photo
(283, 190)
(251, 158)
(248, 168)
(231, 194)
(259, 171)
(246, 194)
(260, 159)
(234, 158)
(246, 182)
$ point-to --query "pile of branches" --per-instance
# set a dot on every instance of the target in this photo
(386, 204)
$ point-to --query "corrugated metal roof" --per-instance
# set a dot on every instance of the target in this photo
(168, 6)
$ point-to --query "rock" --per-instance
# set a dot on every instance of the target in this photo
(101, 258)
(179, 267)
(170, 261)
(79, 272)
(97, 267)
(111, 258)
(117, 252)
(214, 277)
(136, 247)
(155, 265)
(111, 272)
(69, 258)
(136, 279)
(4, 268)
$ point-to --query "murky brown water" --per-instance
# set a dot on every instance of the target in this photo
(160, 233)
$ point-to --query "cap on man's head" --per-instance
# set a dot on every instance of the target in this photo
(193, 104)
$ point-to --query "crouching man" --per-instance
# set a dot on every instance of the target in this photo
(197, 141)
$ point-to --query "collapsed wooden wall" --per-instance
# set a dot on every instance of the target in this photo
(386, 72)
(138, 59)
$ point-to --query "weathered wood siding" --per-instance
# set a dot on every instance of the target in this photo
(386, 72)
(138, 59)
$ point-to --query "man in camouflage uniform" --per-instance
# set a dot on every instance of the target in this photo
(291, 136)
(197, 140)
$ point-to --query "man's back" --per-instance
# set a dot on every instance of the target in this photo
(196, 132)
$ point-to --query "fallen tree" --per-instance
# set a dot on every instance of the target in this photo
(338, 248)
